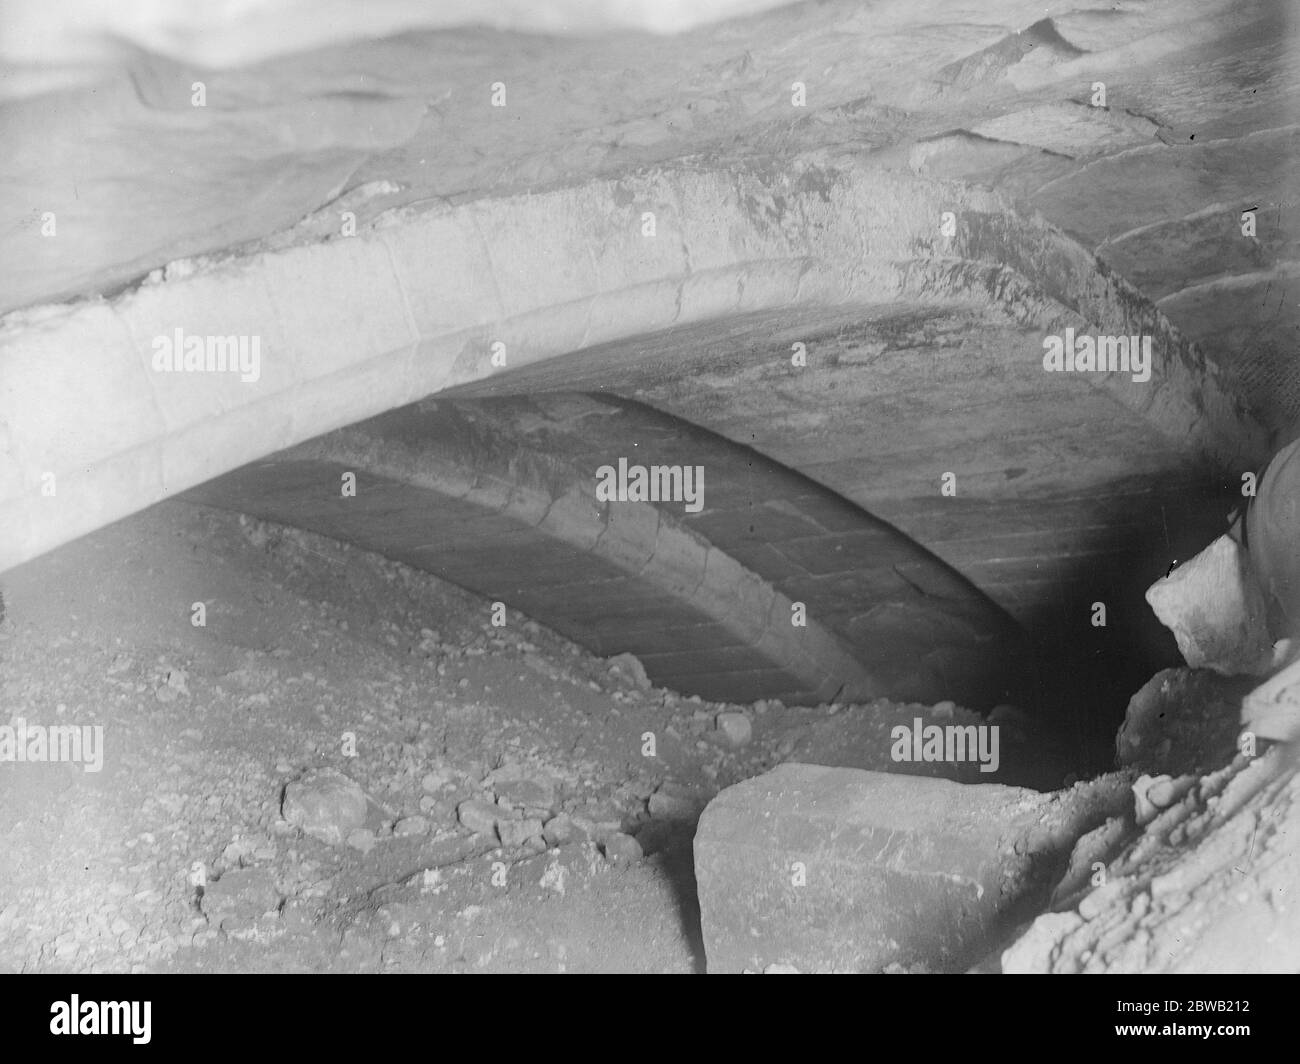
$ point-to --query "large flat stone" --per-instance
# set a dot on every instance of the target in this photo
(842, 870)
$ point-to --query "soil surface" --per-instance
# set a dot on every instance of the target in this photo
(175, 856)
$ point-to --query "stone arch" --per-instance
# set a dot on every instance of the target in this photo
(355, 326)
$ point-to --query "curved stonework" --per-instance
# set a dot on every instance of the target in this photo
(355, 326)
(500, 498)
(476, 253)
(616, 576)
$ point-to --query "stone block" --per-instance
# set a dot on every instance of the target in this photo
(842, 870)
(1215, 608)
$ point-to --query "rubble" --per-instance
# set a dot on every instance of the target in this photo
(1202, 887)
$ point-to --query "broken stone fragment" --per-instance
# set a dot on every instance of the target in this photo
(621, 849)
(518, 832)
(599, 817)
(479, 816)
(559, 830)
(629, 668)
(843, 870)
(238, 852)
(1215, 608)
(411, 825)
(325, 804)
(434, 781)
(521, 786)
(1152, 795)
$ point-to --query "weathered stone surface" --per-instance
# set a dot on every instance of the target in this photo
(1215, 608)
(1201, 888)
(559, 830)
(1153, 794)
(1272, 710)
(411, 825)
(1181, 721)
(1031, 952)
(524, 787)
(435, 781)
(241, 896)
(518, 832)
(840, 870)
(325, 804)
(629, 668)
(622, 849)
(1096, 847)
(479, 816)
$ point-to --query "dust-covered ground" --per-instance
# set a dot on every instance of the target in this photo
(174, 855)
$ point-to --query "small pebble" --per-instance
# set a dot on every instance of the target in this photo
(735, 728)
(622, 849)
